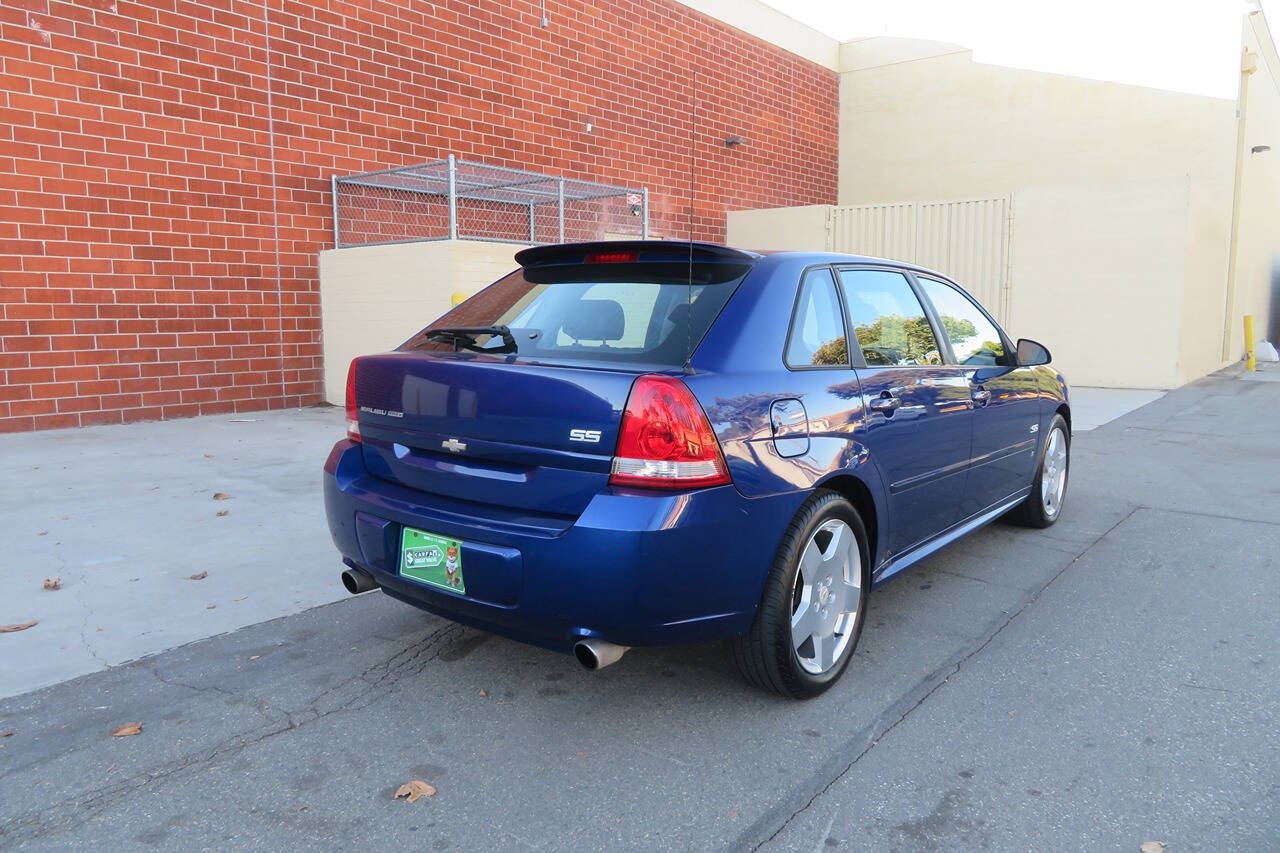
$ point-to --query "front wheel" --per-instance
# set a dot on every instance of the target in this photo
(1049, 489)
(814, 602)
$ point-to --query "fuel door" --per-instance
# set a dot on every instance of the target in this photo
(790, 425)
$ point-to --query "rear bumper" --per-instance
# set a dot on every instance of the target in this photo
(635, 568)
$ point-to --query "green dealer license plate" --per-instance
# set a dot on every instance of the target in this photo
(431, 559)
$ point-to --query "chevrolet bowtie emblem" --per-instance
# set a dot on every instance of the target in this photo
(453, 445)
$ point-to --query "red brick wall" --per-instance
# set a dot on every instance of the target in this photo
(164, 165)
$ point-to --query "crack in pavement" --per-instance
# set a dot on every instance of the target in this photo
(371, 685)
(934, 682)
(1213, 515)
(269, 713)
(81, 581)
(963, 576)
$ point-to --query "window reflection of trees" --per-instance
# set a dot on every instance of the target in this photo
(896, 339)
(833, 352)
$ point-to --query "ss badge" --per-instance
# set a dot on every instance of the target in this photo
(591, 435)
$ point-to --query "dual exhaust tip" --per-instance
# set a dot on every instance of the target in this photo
(592, 653)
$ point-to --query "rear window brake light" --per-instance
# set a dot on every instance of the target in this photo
(612, 257)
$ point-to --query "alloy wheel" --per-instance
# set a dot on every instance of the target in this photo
(1053, 479)
(827, 596)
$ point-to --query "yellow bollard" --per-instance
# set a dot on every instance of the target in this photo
(1250, 362)
(458, 296)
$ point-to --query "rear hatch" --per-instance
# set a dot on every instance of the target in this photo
(514, 398)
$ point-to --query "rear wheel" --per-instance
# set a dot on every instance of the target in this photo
(1049, 489)
(814, 602)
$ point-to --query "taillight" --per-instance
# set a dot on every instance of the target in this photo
(353, 423)
(666, 441)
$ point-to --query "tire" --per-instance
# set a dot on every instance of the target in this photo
(768, 656)
(1038, 510)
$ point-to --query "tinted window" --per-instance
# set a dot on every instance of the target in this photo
(638, 303)
(887, 319)
(631, 313)
(974, 338)
(817, 329)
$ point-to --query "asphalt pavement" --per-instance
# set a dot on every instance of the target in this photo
(1107, 682)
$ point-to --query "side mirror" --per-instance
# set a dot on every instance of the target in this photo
(1031, 353)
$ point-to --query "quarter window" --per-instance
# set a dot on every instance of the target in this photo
(817, 329)
(887, 319)
(974, 339)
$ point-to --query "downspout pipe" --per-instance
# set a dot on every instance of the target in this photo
(1248, 65)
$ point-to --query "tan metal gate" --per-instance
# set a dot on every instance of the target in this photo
(967, 240)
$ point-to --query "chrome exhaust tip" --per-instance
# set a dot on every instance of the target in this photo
(357, 581)
(597, 654)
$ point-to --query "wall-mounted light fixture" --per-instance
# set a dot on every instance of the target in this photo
(1258, 149)
(733, 141)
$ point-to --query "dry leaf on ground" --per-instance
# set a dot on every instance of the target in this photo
(21, 626)
(415, 789)
(222, 512)
(199, 576)
(7, 733)
(43, 533)
(53, 583)
(484, 694)
(211, 607)
(208, 456)
(1152, 847)
(127, 730)
(220, 496)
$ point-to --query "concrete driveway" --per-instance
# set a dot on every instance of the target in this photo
(1110, 681)
(124, 516)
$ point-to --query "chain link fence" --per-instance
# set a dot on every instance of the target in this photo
(462, 200)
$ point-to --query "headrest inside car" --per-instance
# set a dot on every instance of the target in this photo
(595, 320)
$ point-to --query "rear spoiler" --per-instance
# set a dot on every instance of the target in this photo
(646, 251)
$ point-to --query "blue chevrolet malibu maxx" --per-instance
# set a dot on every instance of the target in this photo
(648, 443)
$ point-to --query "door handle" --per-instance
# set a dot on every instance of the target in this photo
(981, 396)
(886, 404)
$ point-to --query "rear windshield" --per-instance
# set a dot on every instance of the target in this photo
(644, 313)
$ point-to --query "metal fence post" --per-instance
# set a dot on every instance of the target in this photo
(560, 205)
(453, 198)
(644, 214)
(533, 234)
(337, 229)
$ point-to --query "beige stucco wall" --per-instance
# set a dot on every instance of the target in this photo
(1258, 243)
(1121, 197)
(1097, 272)
(373, 298)
(779, 229)
(767, 23)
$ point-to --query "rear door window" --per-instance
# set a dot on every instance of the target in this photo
(642, 314)
(887, 319)
(817, 336)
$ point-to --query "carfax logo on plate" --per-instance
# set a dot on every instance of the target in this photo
(428, 555)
